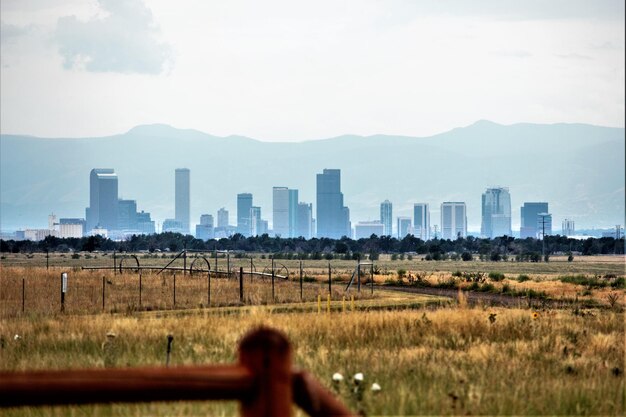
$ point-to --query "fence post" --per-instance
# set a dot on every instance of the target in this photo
(174, 290)
(47, 259)
(301, 280)
(103, 287)
(208, 291)
(140, 288)
(268, 356)
(330, 290)
(23, 294)
(184, 260)
(63, 289)
(372, 275)
(241, 284)
(114, 264)
(228, 262)
(358, 275)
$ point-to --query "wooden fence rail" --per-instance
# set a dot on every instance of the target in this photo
(263, 382)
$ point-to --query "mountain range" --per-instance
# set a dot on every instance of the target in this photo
(577, 168)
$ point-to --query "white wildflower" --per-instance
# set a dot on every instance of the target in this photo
(358, 378)
(17, 337)
(337, 377)
(376, 387)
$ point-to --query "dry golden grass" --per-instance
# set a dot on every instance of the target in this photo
(448, 361)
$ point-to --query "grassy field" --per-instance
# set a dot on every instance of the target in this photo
(430, 355)
(448, 361)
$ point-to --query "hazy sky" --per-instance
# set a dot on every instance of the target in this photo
(286, 70)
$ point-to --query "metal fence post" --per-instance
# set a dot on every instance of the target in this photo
(301, 280)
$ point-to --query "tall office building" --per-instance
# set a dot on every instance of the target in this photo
(305, 221)
(568, 228)
(421, 221)
(529, 218)
(205, 229)
(496, 213)
(386, 216)
(102, 210)
(182, 199)
(404, 227)
(363, 230)
(256, 223)
(145, 224)
(222, 217)
(453, 220)
(244, 204)
(285, 211)
(333, 218)
(127, 214)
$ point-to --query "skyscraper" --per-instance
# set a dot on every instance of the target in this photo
(285, 211)
(222, 217)
(496, 213)
(305, 221)
(529, 218)
(404, 227)
(386, 216)
(204, 230)
(127, 215)
(453, 220)
(244, 204)
(421, 221)
(103, 205)
(333, 218)
(182, 199)
(256, 223)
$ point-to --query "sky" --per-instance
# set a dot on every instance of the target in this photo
(293, 71)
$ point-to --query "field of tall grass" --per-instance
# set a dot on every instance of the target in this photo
(450, 361)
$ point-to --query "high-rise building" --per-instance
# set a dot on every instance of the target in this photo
(127, 214)
(285, 211)
(256, 223)
(421, 221)
(222, 217)
(305, 221)
(333, 218)
(53, 221)
(453, 220)
(496, 213)
(145, 225)
(102, 210)
(173, 226)
(529, 218)
(544, 225)
(568, 227)
(182, 198)
(386, 216)
(404, 227)
(244, 204)
(204, 230)
(363, 230)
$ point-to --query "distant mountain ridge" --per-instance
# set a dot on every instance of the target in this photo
(577, 168)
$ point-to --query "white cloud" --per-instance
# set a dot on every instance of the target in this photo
(125, 40)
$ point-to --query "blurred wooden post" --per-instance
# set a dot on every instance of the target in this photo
(140, 288)
(208, 291)
(301, 280)
(273, 298)
(174, 290)
(330, 290)
(241, 284)
(63, 288)
(23, 294)
(103, 287)
(268, 356)
(328, 304)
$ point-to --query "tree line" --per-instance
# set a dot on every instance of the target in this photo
(500, 248)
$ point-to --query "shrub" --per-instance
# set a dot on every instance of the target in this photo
(76, 256)
(495, 257)
(496, 276)
(401, 273)
(487, 288)
(457, 274)
(523, 278)
(466, 256)
(619, 283)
